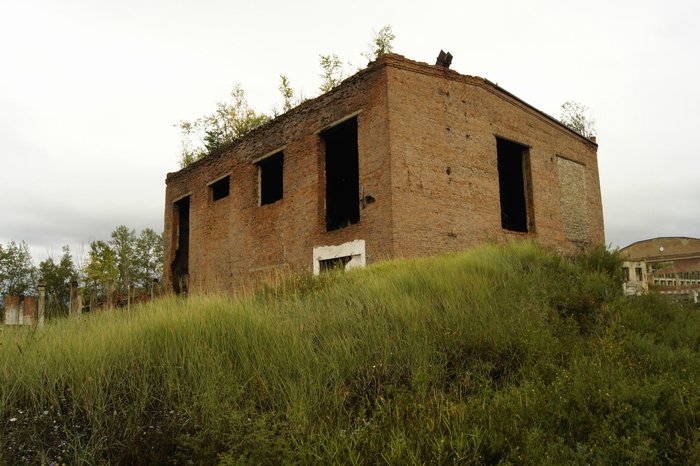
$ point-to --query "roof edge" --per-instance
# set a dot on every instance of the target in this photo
(657, 238)
(387, 60)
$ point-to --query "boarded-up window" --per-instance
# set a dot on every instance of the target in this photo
(573, 199)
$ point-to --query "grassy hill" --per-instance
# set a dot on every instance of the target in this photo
(503, 354)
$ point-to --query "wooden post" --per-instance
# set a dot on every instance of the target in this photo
(154, 284)
(129, 291)
(73, 308)
(110, 293)
(42, 303)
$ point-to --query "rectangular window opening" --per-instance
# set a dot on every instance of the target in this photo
(220, 188)
(638, 273)
(336, 263)
(271, 179)
(181, 242)
(513, 184)
(342, 175)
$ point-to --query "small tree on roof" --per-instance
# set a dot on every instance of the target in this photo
(574, 115)
(382, 43)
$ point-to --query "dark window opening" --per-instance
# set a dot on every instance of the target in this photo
(337, 263)
(626, 274)
(181, 242)
(342, 175)
(512, 182)
(220, 189)
(271, 171)
(638, 274)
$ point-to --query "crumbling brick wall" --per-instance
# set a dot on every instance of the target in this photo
(428, 176)
(234, 240)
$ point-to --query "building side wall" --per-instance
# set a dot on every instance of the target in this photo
(235, 242)
(443, 130)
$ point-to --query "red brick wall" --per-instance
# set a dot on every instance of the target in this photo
(443, 122)
(416, 123)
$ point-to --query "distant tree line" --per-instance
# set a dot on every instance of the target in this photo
(126, 259)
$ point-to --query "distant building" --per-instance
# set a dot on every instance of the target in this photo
(402, 159)
(668, 265)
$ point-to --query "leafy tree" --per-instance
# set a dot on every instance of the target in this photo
(575, 116)
(101, 270)
(333, 72)
(58, 276)
(17, 273)
(235, 118)
(382, 43)
(148, 258)
(231, 120)
(123, 244)
(127, 259)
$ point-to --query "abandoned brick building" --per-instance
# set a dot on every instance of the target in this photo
(401, 159)
(668, 265)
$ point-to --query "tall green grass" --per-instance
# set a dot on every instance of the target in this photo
(503, 354)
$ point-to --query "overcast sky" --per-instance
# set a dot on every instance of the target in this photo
(90, 92)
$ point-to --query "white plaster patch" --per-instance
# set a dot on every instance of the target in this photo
(352, 251)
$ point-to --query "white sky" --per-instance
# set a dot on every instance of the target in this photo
(90, 91)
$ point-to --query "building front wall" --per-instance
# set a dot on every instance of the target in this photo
(234, 242)
(443, 128)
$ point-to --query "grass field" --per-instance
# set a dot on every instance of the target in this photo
(502, 354)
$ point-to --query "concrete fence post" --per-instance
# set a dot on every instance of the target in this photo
(110, 295)
(42, 303)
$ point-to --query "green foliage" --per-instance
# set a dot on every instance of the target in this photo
(382, 43)
(101, 270)
(287, 93)
(126, 260)
(123, 244)
(57, 276)
(148, 258)
(463, 359)
(333, 73)
(230, 121)
(235, 118)
(17, 273)
(575, 116)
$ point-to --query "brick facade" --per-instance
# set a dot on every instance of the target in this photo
(427, 172)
